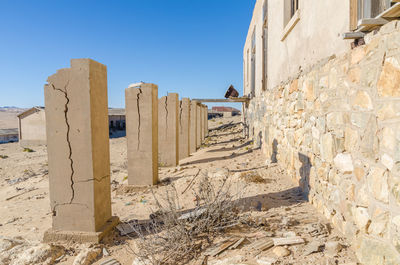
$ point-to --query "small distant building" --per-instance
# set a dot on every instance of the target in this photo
(116, 123)
(8, 135)
(32, 125)
(221, 111)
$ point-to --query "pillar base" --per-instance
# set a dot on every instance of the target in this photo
(52, 235)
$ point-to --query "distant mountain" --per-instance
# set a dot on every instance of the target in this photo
(9, 107)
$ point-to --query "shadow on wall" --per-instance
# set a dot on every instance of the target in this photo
(304, 171)
(304, 182)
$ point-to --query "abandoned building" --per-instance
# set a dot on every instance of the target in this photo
(221, 111)
(32, 125)
(324, 83)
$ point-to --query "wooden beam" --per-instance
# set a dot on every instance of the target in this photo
(353, 35)
(242, 99)
(372, 22)
(353, 14)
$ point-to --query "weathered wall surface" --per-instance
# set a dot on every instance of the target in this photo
(318, 34)
(336, 130)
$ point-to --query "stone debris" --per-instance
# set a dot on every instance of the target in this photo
(313, 247)
(287, 241)
(139, 261)
(332, 248)
(20, 252)
(110, 261)
(266, 261)
(87, 256)
(281, 251)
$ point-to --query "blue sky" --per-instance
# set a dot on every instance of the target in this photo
(191, 47)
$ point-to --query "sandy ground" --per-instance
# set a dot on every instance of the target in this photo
(272, 202)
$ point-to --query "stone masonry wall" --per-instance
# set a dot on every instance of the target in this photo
(335, 128)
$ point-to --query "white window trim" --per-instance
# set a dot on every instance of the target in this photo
(291, 24)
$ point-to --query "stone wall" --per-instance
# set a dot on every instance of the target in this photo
(335, 128)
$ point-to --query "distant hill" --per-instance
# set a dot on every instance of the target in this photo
(8, 117)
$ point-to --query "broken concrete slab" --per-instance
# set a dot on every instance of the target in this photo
(78, 152)
(141, 101)
(184, 128)
(168, 131)
(288, 241)
(193, 127)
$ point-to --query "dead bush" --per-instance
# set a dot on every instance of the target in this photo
(253, 177)
(176, 237)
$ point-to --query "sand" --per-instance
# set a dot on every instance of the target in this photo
(270, 198)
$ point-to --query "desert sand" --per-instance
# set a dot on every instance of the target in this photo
(273, 203)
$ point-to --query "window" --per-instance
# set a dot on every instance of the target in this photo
(294, 6)
(372, 8)
(361, 9)
(253, 64)
(247, 67)
(265, 45)
(290, 6)
(291, 16)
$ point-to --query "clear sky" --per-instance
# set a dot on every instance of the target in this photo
(191, 47)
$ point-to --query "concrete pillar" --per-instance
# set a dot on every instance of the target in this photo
(206, 121)
(141, 101)
(168, 130)
(193, 126)
(202, 122)
(184, 128)
(78, 152)
(198, 125)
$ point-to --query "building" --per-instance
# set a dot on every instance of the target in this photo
(221, 111)
(8, 135)
(323, 80)
(32, 125)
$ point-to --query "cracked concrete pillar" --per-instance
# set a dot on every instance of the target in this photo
(141, 104)
(193, 126)
(203, 123)
(168, 131)
(198, 125)
(184, 128)
(206, 121)
(78, 152)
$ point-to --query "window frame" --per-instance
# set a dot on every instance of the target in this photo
(291, 16)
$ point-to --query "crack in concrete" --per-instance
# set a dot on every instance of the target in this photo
(138, 110)
(180, 115)
(68, 140)
(93, 179)
(166, 115)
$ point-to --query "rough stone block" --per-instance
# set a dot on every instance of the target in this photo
(389, 80)
(168, 130)
(193, 127)
(78, 149)
(184, 128)
(344, 163)
(141, 101)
